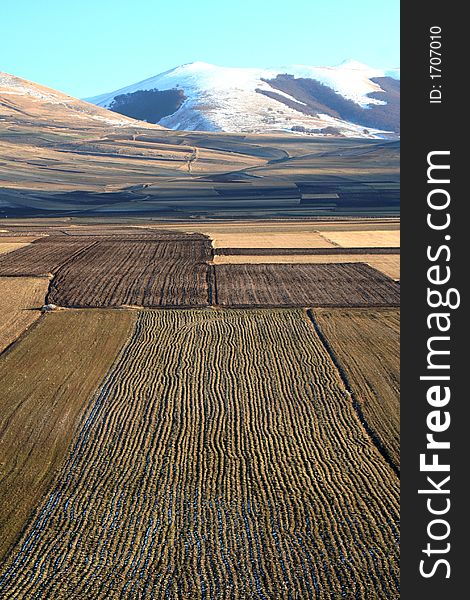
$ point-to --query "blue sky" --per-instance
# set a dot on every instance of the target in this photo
(86, 47)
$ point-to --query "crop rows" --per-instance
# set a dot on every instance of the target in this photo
(144, 273)
(342, 284)
(156, 274)
(47, 254)
(192, 480)
(42, 257)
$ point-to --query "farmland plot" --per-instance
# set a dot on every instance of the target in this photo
(192, 480)
(144, 273)
(41, 257)
(387, 263)
(376, 238)
(241, 238)
(367, 345)
(45, 381)
(20, 301)
(289, 284)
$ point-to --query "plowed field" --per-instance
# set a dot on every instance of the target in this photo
(222, 458)
(144, 273)
(304, 285)
(41, 257)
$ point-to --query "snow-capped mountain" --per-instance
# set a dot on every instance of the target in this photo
(351, 99)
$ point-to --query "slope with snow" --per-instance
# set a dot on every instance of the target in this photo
(245, 99)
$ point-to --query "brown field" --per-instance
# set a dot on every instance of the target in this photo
(376, 238)
(42, 257)
(298, 251)
(367, 345)
(46, 382)
(189, 479)
(144, 273)
(20, 301)
(6, 247)
(358, 284)
(389, 264)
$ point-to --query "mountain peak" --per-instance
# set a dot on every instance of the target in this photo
(351, 63)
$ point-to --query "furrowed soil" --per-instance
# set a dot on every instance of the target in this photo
(192, 480)
(144, 273)
(389, 264)
(367, 345)
(41, 257)
(46, 381)
(316, 285)
(20, 301)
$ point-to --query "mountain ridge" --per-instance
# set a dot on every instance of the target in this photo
(250, 100)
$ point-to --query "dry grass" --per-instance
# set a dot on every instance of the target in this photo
(272, 239)
(297, 234)
(367, 238)
(389, 264)
(232, 466)
(6, 247)
(17, 239)
(367, 344)
(20, 301)
(46, 381)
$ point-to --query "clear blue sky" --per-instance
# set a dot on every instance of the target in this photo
(86, 47)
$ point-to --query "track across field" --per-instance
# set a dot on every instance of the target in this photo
(221, 459)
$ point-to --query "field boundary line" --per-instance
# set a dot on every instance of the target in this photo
(214, 292)
(23, 334)
(355, 402)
